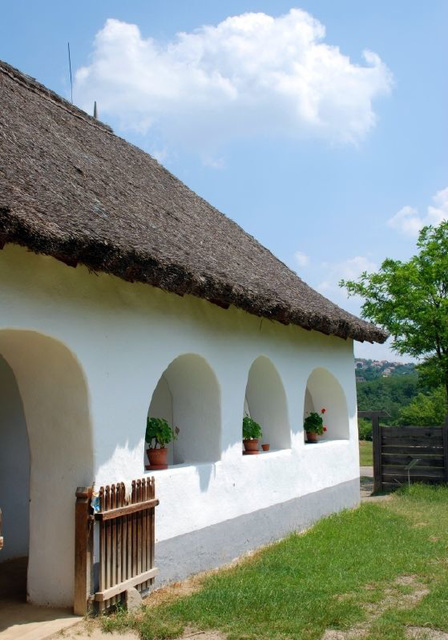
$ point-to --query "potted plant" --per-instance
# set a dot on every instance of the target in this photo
(251, 433)
(158, 435)
(314, 425)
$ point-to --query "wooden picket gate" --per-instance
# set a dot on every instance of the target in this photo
(115, 540)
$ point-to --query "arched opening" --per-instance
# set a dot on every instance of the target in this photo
(45, 453)
(324, 391)
(188, 397)
(265, 402)
(14, 464)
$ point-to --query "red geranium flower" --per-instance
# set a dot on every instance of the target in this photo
(325, 428)
(322, 410)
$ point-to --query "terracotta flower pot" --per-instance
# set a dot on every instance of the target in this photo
(265, 447)
(311, 437)
(157, 458)
(251, 447)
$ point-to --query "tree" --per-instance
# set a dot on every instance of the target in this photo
(390, 394)
(425, 410)
(410, 300)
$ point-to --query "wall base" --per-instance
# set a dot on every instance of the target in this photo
(219, 544)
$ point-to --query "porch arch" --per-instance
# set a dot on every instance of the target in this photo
(188, 396)
(54, 399)
(323, 390)
(265, 402)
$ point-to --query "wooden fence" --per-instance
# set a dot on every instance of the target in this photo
(408, 454)
(115, 536)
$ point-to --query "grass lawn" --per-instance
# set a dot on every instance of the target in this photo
(365, 453)
(373, 573)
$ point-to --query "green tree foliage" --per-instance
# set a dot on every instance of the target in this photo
(410, 300)
(425, 410)
(365, 429)
(388, 394)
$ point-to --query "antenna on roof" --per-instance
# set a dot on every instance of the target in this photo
(95, 111)
(70, 71)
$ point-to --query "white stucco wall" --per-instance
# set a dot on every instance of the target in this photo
(266, 403)
(125, 336)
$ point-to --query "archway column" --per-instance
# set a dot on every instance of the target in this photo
(56, 409)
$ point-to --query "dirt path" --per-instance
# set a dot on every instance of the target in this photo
(91, 630)
(394, 598)
(367, 486)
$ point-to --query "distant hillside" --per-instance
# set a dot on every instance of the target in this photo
(367, 370)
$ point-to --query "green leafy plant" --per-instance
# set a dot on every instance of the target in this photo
(314, 423)
(159, 432)
(251, 429)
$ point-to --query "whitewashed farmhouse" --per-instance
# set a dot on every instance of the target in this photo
(123, 293)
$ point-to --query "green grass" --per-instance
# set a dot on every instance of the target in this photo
(355, 568)
(365, 453)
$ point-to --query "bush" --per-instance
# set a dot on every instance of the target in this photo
(365, 429)
(426, 410)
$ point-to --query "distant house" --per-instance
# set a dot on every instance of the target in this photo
(123, 293)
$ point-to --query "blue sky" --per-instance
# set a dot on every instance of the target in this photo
(332, 158)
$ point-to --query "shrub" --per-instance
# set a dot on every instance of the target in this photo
(365, 429)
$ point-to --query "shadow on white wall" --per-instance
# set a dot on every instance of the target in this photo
(324, 391)
(266, 403)
(188, 396)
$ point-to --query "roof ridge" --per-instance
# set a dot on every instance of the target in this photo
(34, 85)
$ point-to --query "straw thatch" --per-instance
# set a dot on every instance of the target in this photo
(71, 189)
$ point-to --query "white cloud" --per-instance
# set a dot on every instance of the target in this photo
(352, 268)
(349, 269)
(408, 221)
(301, 259)
(251, 74)
(213, 162)
(159, 154)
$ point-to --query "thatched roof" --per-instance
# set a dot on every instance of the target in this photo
(71, 189)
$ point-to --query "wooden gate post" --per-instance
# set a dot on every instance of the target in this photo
(83, 550)
(377, 466)
(445, 448)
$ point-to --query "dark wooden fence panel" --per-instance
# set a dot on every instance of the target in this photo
(409, 454)
(125, 541)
